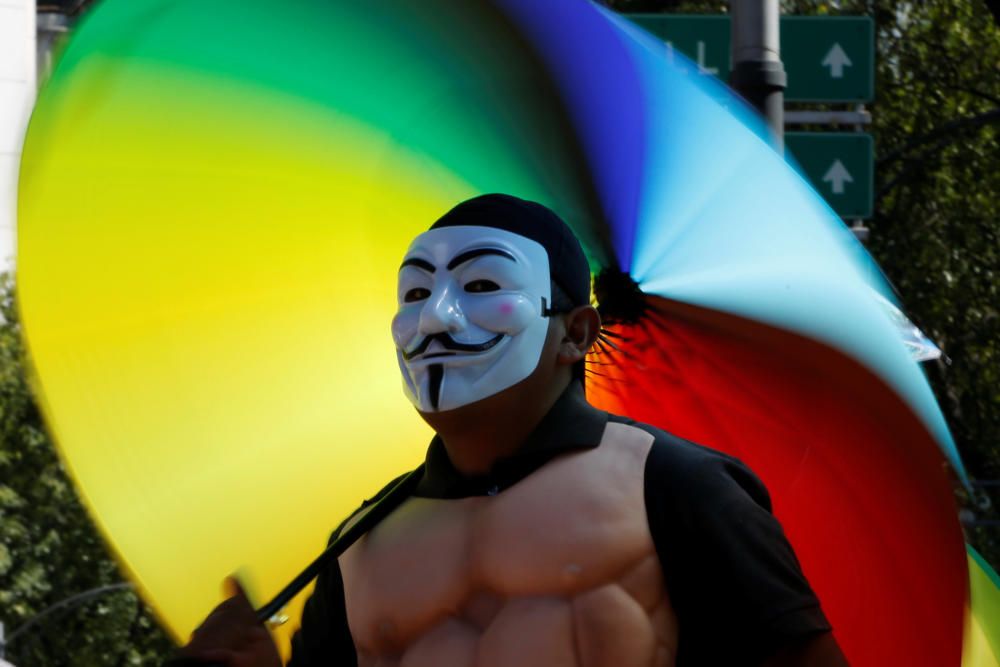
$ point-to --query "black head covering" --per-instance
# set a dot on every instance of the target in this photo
(568, 266)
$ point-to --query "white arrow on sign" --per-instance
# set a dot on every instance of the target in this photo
(836, 60)
(836, 176)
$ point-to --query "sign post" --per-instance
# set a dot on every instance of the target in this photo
(757, 71)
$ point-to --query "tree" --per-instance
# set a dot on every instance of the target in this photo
(937, 226)
(49, 549)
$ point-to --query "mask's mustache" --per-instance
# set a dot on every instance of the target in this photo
(449, 343)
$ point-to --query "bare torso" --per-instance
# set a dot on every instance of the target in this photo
(558, 570)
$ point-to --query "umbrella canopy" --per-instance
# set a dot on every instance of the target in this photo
(214, 198)
(982, 637)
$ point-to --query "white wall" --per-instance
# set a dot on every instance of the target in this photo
(17, 94)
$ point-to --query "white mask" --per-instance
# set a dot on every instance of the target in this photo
(471, 320)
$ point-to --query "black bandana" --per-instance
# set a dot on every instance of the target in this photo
(568, 265)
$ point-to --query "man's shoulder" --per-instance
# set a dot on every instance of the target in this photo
(686, 470)
(360, 511)
(717, 540)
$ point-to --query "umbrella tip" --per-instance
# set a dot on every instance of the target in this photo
(619, 299)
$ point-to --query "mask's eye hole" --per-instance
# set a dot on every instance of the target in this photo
(416, 294)
(477, 286)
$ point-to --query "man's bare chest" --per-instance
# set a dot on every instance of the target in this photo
(558, 569)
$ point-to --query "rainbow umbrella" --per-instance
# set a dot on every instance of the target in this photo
(982, 633)
(213, 200)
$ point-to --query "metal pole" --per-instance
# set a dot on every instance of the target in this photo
(50, 27)
(757, 73)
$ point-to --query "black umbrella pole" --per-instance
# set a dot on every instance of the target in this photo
(375, 513)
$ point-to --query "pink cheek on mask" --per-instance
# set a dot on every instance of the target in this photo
(509, 315)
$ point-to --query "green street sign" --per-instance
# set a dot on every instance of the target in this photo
(827, 58)
(702, 38)
(840, 167)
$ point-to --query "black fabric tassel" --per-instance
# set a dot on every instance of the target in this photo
(619, 299)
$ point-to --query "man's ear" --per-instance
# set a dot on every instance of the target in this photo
(581, 327)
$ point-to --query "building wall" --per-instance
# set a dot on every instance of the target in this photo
(17, 94)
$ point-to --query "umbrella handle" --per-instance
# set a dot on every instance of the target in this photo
(376, 512)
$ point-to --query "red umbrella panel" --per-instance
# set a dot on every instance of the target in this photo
(858, 485)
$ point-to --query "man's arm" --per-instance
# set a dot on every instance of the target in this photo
(324, 637)
(230, 636)
(732, 577)
(816, 651)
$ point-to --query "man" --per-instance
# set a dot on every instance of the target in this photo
(541, 531)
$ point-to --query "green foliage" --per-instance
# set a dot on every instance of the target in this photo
(49, 549)
(937, 225)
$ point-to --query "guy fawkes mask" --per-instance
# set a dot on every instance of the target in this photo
(472, 314)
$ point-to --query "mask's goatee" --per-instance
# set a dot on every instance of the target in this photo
(435, 375)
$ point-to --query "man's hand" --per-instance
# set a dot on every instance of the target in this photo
(232, 636)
